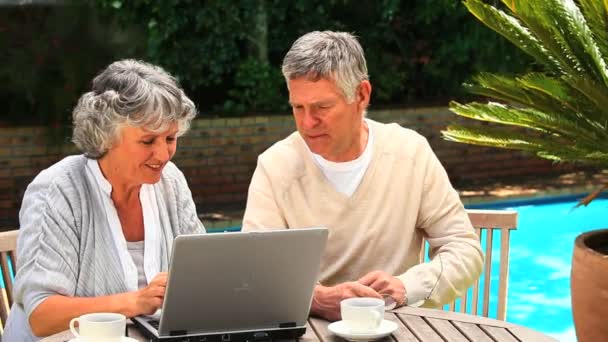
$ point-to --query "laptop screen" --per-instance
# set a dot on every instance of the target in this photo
(242, 281)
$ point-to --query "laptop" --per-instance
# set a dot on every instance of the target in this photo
(238, 286)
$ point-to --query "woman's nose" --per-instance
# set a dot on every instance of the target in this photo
(162, 152)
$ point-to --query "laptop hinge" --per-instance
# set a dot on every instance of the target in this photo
(287, 325)
(178, 332)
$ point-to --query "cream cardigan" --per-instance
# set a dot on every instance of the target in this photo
(405, 195)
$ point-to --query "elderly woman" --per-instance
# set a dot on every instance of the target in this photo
(97, 229)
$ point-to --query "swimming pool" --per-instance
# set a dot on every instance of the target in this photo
(540, 260)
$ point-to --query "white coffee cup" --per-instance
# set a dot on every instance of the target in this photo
(362, 314)
(101, 326)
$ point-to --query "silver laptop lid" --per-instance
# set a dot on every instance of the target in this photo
(243, 281)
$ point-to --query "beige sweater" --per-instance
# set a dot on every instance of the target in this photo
(404, 195)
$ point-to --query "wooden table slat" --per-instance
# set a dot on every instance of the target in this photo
(419, 327)
(452, 316)
(402, 334)
(447, 330)
(321, 330)
(309, 335)
(472, 332)
(499, 334)
(528, 335)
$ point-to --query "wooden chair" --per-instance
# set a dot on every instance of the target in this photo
(485, 223)
(8, 262)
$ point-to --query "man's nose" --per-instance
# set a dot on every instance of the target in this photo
(309, 120)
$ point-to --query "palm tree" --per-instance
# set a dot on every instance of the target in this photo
(560, 111)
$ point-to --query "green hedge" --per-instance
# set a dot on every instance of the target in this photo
(227, 54)
(49, 55)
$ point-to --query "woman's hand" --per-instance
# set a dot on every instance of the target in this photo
(54, 313)
(150, 298)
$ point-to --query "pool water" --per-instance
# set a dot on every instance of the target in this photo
(540, 260)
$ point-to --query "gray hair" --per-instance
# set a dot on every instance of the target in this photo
(128, 92)
(330, 55)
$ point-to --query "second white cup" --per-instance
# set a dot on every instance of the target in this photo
(362, 314)
(100, 326)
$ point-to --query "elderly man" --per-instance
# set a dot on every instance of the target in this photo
(379, 188)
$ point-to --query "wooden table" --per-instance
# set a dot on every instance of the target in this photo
(414, 325)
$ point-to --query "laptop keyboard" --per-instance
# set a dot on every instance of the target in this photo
(260, 336)
(154, 322)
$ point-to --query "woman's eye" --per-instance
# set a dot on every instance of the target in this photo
(171, 139)
(147, 142)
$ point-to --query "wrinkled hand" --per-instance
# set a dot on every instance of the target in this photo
(385, 284)
(326, 300)
(150, 298)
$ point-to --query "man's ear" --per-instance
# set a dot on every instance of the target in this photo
(364, 92)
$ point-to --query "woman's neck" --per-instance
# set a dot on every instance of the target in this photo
(123, 191)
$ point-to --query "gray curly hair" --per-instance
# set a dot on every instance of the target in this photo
(327, 54)
(128, 92)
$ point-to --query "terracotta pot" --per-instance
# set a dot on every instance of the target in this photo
(589, 285)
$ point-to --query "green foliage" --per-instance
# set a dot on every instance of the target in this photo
(417, 51)
(561, 111)
(227, 54)
(255, 88)
(49, 55)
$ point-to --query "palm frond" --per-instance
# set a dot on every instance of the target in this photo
(521, 117)
(561, 113)
(530, 13)
(545, 146)
(596, 13)
(500, 87)
(570, 27)
(554, 95)
(512, 29)
(492, 137)
(595, 93)
(537, 91)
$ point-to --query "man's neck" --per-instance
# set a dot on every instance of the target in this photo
(356, 149)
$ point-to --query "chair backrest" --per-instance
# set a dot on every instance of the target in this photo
(485, 223)
(8, 263)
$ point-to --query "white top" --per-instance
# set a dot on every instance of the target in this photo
(346, 176)
(136, 249)
(151, 260)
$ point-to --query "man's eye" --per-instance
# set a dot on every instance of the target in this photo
(171, 139)
(147, 142)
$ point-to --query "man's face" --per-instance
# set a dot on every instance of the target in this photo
(330, 126)
(140, 155)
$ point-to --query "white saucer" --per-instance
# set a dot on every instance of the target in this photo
(124, 339)
(386, 328)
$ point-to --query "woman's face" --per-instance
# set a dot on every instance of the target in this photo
(140, 155)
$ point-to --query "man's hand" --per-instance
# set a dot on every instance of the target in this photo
(385, 284)
(326, 300)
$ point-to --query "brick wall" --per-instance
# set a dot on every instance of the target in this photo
(218, 156)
